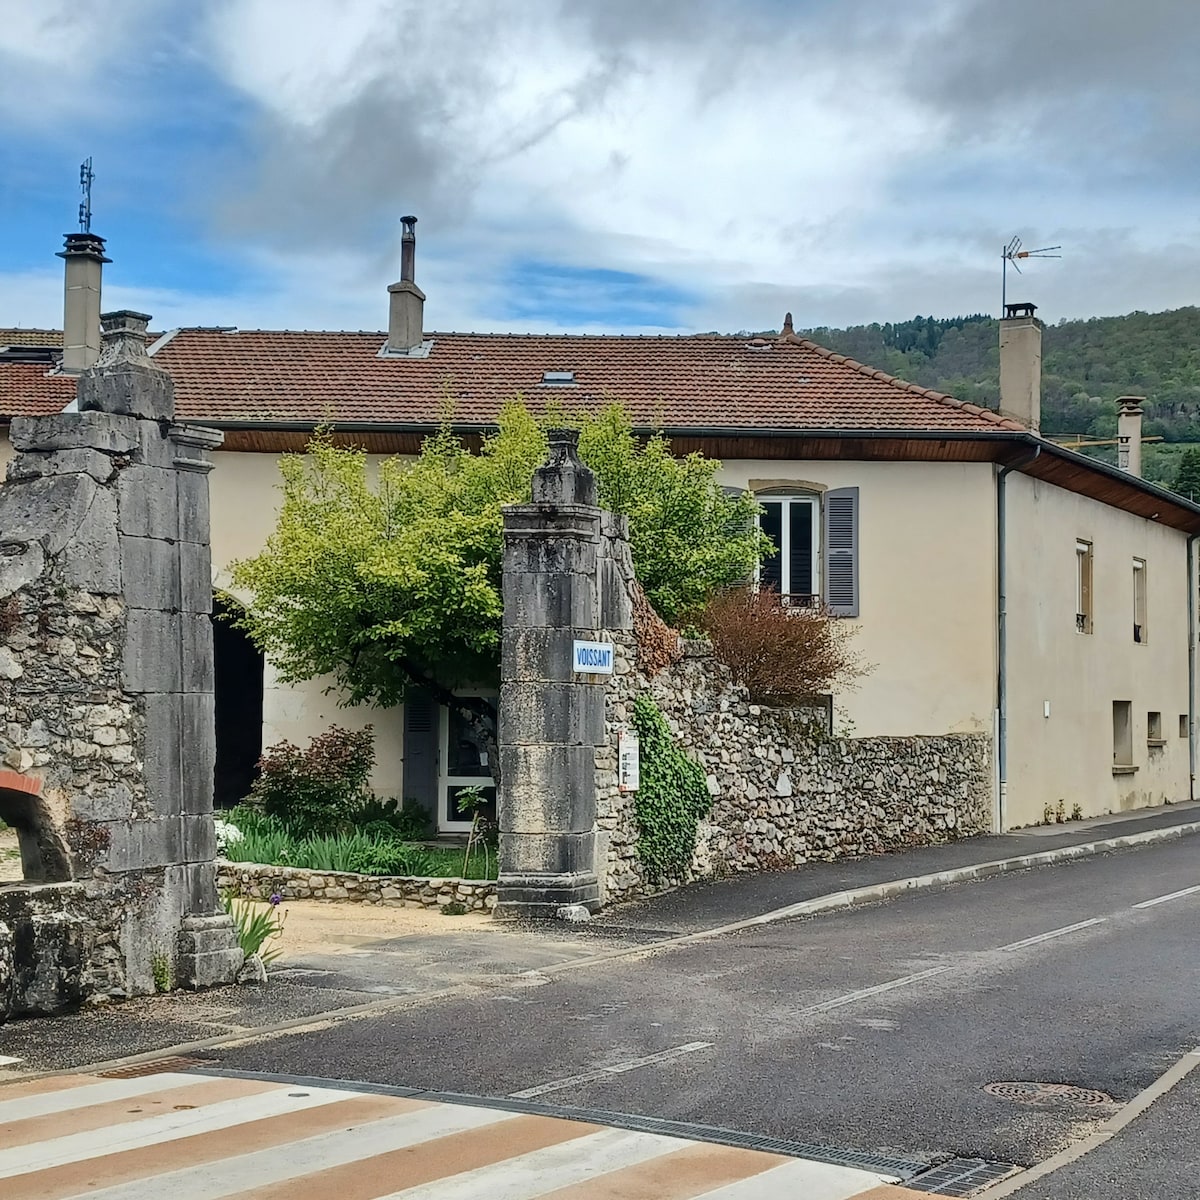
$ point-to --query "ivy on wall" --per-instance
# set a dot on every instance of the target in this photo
(671, 798)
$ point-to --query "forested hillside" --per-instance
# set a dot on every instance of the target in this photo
(1086, 365)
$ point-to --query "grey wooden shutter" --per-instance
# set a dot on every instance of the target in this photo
(740, 527)
(841, 551)
(421, 749)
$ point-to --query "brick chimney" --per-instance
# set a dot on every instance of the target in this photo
(406, 310)
(1129, 434)
(1021, 365)
(84, 256)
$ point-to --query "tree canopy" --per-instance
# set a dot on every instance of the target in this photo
(392, 582)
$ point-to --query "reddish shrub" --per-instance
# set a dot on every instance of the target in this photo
(784, 656)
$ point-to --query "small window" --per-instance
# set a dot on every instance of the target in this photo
(1154, 728)
(559, 378)
(1122, 711)
(1183, 725)
(1083, 587)
(1139, 601)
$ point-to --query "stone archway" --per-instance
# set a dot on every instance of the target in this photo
(44, 854)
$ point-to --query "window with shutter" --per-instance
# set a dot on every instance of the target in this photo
(841, 552)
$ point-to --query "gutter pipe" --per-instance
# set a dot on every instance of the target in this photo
(1191, 661)
(1002, 638)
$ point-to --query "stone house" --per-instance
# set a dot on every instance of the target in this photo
(1005, 586)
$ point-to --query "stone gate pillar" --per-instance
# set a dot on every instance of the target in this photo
(551, 719)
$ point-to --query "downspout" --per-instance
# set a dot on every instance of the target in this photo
(1002, 639)
(1191, 659)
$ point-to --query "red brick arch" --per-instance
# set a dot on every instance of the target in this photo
(44, 854)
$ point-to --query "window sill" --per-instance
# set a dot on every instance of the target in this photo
(1156, 743)
(1123, 768)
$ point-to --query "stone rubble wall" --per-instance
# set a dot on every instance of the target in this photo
(259, 881)
(782, 795)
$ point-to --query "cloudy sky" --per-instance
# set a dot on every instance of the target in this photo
(589, 165)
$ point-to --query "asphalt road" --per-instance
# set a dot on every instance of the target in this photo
(874, 1029)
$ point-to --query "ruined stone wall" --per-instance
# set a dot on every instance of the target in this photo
(106, 706)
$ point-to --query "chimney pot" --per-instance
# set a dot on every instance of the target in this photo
(787, 330)
(406, 310)
(83, 254)
(1021, 365)
(1129, 434)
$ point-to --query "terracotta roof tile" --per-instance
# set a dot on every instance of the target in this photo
(706, 381)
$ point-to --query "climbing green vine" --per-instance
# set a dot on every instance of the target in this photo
(671, 798)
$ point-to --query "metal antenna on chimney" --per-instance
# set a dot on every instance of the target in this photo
(1011, 254)
(86, 175)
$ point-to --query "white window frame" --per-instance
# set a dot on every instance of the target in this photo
(786, 500)
(1140, 584)
(446, 780)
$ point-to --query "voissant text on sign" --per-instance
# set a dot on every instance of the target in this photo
(593, 658)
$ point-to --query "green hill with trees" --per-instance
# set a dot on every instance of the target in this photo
(1086, 365)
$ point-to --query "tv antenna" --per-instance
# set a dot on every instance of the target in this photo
(1011, 253)
(86, 175)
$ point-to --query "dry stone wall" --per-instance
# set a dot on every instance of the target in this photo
(260, 882)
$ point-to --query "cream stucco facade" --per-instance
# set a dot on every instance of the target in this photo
(1063, 682)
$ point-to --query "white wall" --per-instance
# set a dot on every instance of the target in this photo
(1069, 755)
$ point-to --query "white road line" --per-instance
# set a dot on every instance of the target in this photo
(294, 1160)
(7, 1060)
(629, 1064)
(803, 1179)
(864, 993)
(74, 1147)
(1053, 933)
(1169, 896)
(540, 1171)
(96, 1093)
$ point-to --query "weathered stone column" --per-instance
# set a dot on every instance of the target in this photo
(550, 718)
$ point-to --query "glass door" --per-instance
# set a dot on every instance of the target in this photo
(464, 763)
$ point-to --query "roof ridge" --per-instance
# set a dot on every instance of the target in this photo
(904, 385)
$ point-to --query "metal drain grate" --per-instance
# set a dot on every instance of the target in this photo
(961, 1177)
(1048, 1093)
(157, 1067)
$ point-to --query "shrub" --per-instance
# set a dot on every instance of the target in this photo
(411, 823)
(318, 790)
(784, 656)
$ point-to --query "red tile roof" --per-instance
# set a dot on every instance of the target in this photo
(705, 381)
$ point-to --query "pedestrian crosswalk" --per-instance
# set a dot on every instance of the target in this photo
(185, 1136)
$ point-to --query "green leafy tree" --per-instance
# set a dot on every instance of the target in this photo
(1187, 475)
(392, 585)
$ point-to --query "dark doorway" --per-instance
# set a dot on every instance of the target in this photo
(44, 854)
(239, 704)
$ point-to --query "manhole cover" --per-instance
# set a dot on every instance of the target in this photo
(157, 1067)
(1048, 1093)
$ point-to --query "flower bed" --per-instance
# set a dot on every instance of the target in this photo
(260, 881)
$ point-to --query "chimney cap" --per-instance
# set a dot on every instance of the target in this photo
(409, 224)
(83, 245)
(1131, 404)
(1020, 309)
